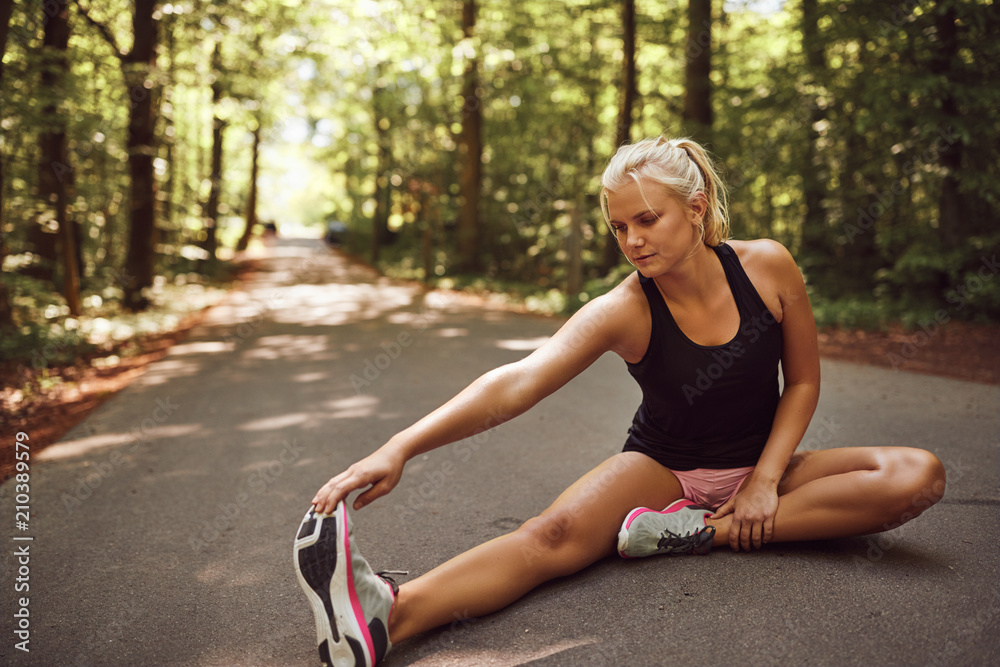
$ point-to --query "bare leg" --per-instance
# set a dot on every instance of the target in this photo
(578, 529)
(850, 491)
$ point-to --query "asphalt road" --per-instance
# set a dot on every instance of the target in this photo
(162, 526)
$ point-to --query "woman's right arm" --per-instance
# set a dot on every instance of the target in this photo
(496, 397)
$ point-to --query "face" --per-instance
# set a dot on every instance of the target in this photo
(657, 236)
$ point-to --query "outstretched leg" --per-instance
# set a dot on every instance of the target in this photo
(850, 491)
(578, 529)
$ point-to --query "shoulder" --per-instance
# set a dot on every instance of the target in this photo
(621, 318)
(764, 252)
(767, 258)
(772, 270)
(618, 306)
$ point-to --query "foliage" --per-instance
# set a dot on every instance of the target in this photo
(361, 104)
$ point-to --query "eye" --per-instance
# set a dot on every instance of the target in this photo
(618, 229)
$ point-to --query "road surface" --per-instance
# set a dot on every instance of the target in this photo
(162, 526)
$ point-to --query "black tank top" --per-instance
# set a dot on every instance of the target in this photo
(708, 406)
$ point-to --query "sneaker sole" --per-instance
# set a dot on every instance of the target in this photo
(323, 575)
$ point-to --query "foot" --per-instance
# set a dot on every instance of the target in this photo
(350, 602)
(679, 529)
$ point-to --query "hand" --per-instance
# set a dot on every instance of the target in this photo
(380, 472)
(753, 509)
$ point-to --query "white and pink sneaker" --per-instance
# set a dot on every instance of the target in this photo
(351, 603)
(678, 529)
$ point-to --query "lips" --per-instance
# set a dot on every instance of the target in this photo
(642, 258)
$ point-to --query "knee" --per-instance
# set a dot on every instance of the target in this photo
(553, 541)
(919, 477)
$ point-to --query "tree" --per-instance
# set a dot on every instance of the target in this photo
(951, 212)
(251, 215)
(211, 217)
(53, 168)
(698, 70)
(6, 314)
(816, 241)
(624, 127)
(470, 148)
(138, 66)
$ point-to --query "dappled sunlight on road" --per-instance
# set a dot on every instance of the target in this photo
(281, 346)
(276, 422)
(507, 656)
(451, 332)
(71, 448)
(173, 366)
(354, 407)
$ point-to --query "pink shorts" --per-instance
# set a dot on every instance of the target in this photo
(711, 488)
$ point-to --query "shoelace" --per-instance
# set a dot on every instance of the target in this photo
(384, 575)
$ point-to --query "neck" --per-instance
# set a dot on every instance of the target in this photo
(695, 279)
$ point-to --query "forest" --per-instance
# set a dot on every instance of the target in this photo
(460, 142)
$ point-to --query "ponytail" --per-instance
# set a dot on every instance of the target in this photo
(684, 168)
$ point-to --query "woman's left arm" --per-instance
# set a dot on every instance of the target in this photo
(755, 505)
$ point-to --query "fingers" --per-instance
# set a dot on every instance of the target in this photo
(747, 535)
(742, 535)
(727, 508)
(337, 489)
(768, 529)
(368, 496)
(376, 475)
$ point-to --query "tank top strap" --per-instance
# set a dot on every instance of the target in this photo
(747, 298)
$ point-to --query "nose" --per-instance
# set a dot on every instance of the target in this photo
(633, 239)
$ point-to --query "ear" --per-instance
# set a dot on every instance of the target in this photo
(697, 207)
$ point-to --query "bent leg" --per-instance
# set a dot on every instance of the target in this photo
(578, 529)
(850, 491)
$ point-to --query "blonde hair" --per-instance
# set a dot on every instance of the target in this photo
(683, 168)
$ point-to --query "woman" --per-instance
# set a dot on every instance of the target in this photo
(701, 326)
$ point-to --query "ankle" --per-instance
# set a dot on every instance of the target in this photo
(721, 526)
(397, 618)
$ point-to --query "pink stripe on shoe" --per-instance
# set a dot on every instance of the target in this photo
(680, 504)
(355, 603)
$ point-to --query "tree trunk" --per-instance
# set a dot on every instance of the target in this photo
(470, 153)
(138, 67)
(426, 233)
(6, 313)
(950, 204)
(53, 170)
(697, 69)
(816, 242)
(383, 193)
(167, 229)
(211, 218)
(252, 196)
(623, 135)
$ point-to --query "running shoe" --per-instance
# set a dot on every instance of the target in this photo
(679, 529)
(351, 603)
